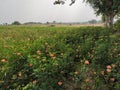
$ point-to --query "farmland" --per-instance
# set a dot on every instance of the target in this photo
(59, 58)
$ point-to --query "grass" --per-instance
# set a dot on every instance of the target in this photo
(59, 58)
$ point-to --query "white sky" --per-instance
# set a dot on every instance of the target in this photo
(44, 10)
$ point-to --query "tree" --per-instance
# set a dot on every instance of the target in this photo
(93, 21)
(107, 8)
(16, 23)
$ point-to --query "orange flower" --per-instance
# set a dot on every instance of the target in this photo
(114, 50)
(38, 57)
(76, 72)
(108, 67)
(77, 50)
(19, 54)
(19, 74)
(46, 43)
(95, 73)
(30, 65)
(43, 60)
(28, 39)
(108, 70)
(3, 60)
(102, 72)
(38, 52)
(87, 80)
(52, 55)
(62, 72)
(56, 64)
(61, 54)
(73, 79)
(113, 65)
(60, 83)
(112, 79)
(118, 55)
(35, 81)
(86, 62)
(79, 46)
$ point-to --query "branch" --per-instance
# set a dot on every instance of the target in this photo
(63, 2)
(72, 2)
(59, 2)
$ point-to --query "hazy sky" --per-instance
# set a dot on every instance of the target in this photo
(43, 11)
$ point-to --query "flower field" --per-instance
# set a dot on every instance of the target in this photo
(59, 58)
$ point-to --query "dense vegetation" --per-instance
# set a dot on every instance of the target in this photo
(59, 58)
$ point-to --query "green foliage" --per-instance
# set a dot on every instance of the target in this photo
(117, 25)
(59, 58)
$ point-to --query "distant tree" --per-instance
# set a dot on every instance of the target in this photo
(47, 22)
(16, 23)
(30, 23)
(5, 23)
(93, 21)
(108, 8)
(54, 22)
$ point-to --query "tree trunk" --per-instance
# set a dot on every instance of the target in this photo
(109, 20)
(106, 21)
(111, 17)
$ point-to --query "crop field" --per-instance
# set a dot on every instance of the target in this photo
(59, 58)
